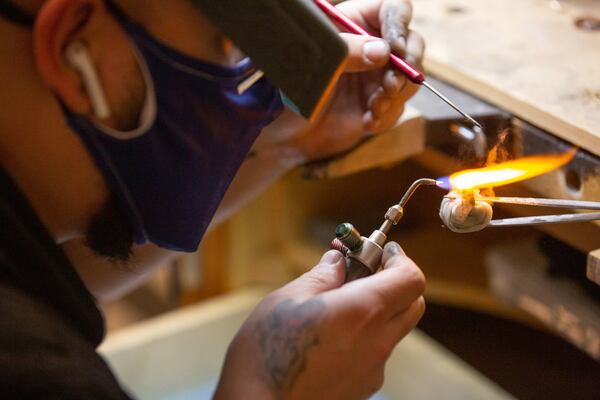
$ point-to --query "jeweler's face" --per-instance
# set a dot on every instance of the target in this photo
(182, 27)
(176, 23)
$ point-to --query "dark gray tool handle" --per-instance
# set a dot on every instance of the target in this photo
(356, 270)
(292, 41)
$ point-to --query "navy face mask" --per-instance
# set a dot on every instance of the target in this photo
(171, 173)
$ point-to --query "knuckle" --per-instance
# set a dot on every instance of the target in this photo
(377, 381)
(317, 278)
(416, 37)
(383, 350)
(377, 311)
(387, 125)
(415, 277)
(415, 313)
(422, 306)
(421, 41)
(372, 309)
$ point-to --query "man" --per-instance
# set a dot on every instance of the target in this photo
(119, 133)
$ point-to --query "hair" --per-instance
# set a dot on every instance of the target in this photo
(109, 235)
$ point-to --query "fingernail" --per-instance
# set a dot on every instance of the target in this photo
(331, 257)
(394, 248)
(376, 50)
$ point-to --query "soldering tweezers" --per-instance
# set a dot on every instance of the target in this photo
(545, 219)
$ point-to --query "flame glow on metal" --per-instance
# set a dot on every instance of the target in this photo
(506, 172)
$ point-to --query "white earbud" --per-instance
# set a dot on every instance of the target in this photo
(77, 55)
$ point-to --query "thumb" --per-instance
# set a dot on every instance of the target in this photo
(328, 274)
(394, 256)
(365, 53)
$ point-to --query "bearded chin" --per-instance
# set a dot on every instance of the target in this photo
(109, 235)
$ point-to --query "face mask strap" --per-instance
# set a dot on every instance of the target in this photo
(16, 14)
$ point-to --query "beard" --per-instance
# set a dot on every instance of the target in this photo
(109, 235)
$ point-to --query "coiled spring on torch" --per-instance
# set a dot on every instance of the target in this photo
(336, 244)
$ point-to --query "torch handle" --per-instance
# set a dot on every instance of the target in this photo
(356, 270)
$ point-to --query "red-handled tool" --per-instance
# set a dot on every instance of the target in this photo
(411, 72)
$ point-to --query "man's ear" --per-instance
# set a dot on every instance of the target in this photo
(59, 24)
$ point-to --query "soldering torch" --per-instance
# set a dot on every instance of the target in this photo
(364, 254)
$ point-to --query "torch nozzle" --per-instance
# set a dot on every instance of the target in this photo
(413, 188)
(396, 212)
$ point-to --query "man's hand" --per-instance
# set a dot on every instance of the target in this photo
(317, 339)
(369, 97)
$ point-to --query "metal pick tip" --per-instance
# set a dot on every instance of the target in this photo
(477, 124)
(451, 104)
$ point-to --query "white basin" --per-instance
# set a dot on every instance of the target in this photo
(178, 356)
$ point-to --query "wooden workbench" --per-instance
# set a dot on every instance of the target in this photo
(521, 55)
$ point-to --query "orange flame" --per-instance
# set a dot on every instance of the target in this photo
(510, 171)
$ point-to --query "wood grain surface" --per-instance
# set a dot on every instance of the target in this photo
(404, 140)
(522, 55)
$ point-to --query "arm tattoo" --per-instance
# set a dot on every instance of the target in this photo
(286, 335)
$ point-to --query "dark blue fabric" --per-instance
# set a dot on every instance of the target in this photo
(172, 178)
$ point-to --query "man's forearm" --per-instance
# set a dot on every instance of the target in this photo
(256, 174)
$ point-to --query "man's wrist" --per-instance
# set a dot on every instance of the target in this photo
(286, 156)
